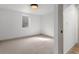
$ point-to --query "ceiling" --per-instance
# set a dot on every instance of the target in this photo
(26, 8)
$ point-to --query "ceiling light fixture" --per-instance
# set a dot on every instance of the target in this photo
(34, 6)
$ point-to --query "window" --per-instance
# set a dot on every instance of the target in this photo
(25, 21)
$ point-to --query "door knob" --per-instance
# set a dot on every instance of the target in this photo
(61, 31)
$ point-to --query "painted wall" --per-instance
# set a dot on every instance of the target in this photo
(11, 24)
(56, 30)
(49, 26)
(47, 23)
(70, 26)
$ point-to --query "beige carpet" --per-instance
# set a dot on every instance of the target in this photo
(32, 45)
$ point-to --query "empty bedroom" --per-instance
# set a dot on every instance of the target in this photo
(27, 28)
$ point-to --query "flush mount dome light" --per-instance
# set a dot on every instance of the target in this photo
(34, 6)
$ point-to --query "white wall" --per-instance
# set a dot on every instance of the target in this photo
(11, 24)
(70, 26)
(56, 30)
(47, 23)
(49, 26)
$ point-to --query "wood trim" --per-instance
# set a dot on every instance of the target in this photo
(15, 38)
(22, 37)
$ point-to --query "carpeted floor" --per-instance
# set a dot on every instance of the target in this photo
(32, 45)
